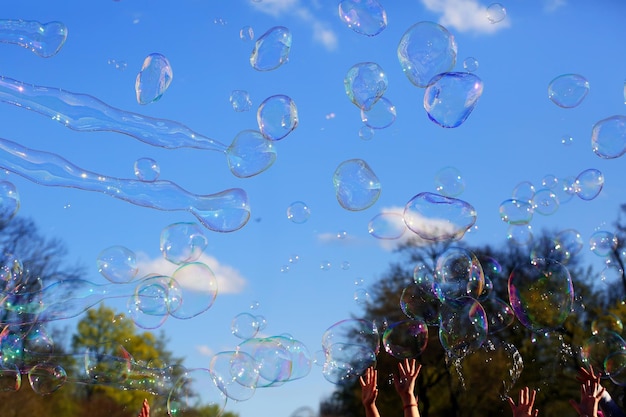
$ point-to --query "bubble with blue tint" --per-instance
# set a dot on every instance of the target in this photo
(272, 49)
(244, 326)
(146, 169)
(599, 347)
(196, 292)
(463, 327)
(496, 13)
(46, 378)
(361, 296)
(240, 100)
(182, 242)
(568, 243)
(118, 264)
(153, 79)
(352, 332)
(405, 339)
(356, 186)
(273, 358)
(545, 202)
(45, 40)
(451, 97)
(520, 234)
(379, 116)
(524, 191)
(470, 64)
(611, 274)
(449, 182)
(366, 17)
(366, 133)
(304, 412)
(608, 137)
(607, 322)
(564, 189)
(344, 363)
(603, 243)
(438, 218)
(568, 90)
(588, 184)
(246, 33)
(277, 116)
(387, 225)
(425, 50)
(325, 265)
(458, 273)
(541, 294)
(365, 83)
(250, 153)
(9, 201)
(180, 401)
(235, 373)
(298, 212)
(152, 299)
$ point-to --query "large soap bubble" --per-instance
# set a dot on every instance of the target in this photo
(588, 184)
(599, 347)
(450, 98)
(277, 116)
(271, 50)
(356, 185)
(405, 339)
(608, 137)
(367, 17)
(463, 327)
(568, 90)
(365, 83)
(154, 79)
(458, 273)
(118, 264)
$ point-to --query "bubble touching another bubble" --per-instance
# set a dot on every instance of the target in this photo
(588, 184)
(182, 242)
(365, 83)
(146, 169)
(380, 116)
(449, 182)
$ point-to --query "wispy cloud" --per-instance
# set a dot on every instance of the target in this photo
(552, 5)
(229, 279)
(465, 15)
(322, 32)
(204, 350)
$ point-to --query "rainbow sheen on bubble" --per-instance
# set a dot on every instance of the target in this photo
(608, 137)
(405, 339)
(277, 117)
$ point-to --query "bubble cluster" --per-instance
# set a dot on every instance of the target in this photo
(365, 83)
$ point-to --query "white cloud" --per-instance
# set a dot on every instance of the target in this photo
(322, 33)
(204, 350)
(465, 15)
(229, 280)
(552, 5)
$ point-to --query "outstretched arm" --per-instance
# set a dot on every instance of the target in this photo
(405, 386)
(526, 403)
(590, 393)
(369, 392)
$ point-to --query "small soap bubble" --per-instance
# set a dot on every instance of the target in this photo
(359, 281)
(325, 266)
(254, 305)
(356, 185)
(603, 243)
(568, 243)
(118, 264)
(568, 90)
(608, 137)
(342, 234)
(365, 83)
(183, 242)
(451, 97)
(277, 116)
(244, 326)
(611, 274)
(470, 64)
(298, 212)
(220, 21)
(516, 212)
(520, 235)
(549, 181)
(154, 79)
(380, 116)
(330, 115)
(294, 259)
(246, 33)
(361, 296)
(545, 202)
(284, 269)
(118, 65)
(496, 13)
(588, 184)
(271, 50)
(524, 191)
(240, 100)
(567, 140)
(366, 17)
(345, 265)
(147, 169)
(366, 133)
(449, 182)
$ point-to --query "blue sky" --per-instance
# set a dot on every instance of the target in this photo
(513, 135)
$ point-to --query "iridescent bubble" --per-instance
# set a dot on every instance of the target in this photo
(298, 212)
(147, 169)
(449, 182)
(152, 301)
(541, 294)
(568, 243)
(438, 218)
(277, 116)
(545, 202)
(365, 83)
(46, 378)
(603, 243)
(499, 313)
(197, 290)
(9, 202)
(240, 100)
(356, 185)
(463, 327)
(250, 153)
(45, 40)
(496, 13)
(366, 133)
(615, 365)
(118, 264)
(607, 322)
(405, 339)
(608, 137)
(153, 79)
(387, 225)
(451, 97)
(244, 326)
(524, 191)
(516, 212)
(10, 378)
(470, 64)
(235, 373)
(367, 17)
(588, 184)
(599, 347)
(271, 50)
(520, 234)
(182, 242)
(181, 403)
(458, 273)
(273, 358)
(568, 90)
(379, 116)
(425, 50)
(246, 33)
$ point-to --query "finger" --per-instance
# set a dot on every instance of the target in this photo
(511, 403)
(419, 368)
(533, 393)
(362, 382)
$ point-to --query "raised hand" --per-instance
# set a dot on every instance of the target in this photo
(590, 393)
(369, 390)
(526, 403)
(145, 409)
(405, 382)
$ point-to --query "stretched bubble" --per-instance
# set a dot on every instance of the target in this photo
(107, 363)
(46, 378)
(387, 225)
(366, 17)
(541, 294)
(607, 322)
(458, 273)
(516, 212)
(118, 264)
(449, 182)
(9, 202)
(545, 202)
(496, 13)
(603, 243)
(182, 242)
(425, 50)
(193, 386)
(277, 117)
(405, 339)
(356, 186)
(588, 184)
(381, 115)
(298, 212)
(438, 218)
(240, 100)
(154, 79)
(271, 50)
(608, 137)
(470, 64)
(599, 347)
(568, 90)
(45, 40)
(451, 97)
(244, 326)
(524, 191)
(463, 327)
(146, 169)
(246, 33)
(365, 83)
(235, 373)
(197, 290)
(568, 243)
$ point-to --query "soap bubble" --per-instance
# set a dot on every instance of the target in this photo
(496, 13)
(516, 212)
(182, 242)
(352, 332)
(608, 137)
(298, 212)
(607, 322)
(451, 97)
(449, 182)
(108, 363)
(345, 363)
(567, 140)
(541, 294)
(470, 64)
(599, 347)
(387, 225)
(118, 264)
(425, 50)
(568, 243)
(458, 273)
(568, 90)
(611, 274)
(277, 116)
(365, 83)
(244, 326)
(421, 302)
(405, 339)
(45, 40)
(361, 296)
(246, 33)
(153, 79)
(564, 189)
(499, 313)
(240, 100)
(9, 202)
(463, 327)
(273, 358)
(271, 50)
(367, 17)
(153, 298)
(356, 185)
(250, 153)
(545, 202)
(366, 133)
(603, 243)
(10, 378)
(520, 234)
(524, 191)
(614, 366)
(235, 373)
(146, 169)
(588, 184)
(46, 378)
(381, 115)
(196, 292)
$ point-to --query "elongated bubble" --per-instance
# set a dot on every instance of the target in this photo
(154, 79)
(608, 137)
(45, 40)
(271, 50)
(450, 98)
(366, 17)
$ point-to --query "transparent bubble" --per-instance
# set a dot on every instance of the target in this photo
(240, 100)
(235, 373)
(154, 79)
(345, 265)
(250, 153)
(520, 235)
(366, 133)
(451, 97)
(244, 326)
(588, 184)
(9, 202)
(607, 322)
(304, 412)
(611, 274)
(183, 242)
(325, 266)
(568, 90)
(284, 269)
(458, 273)
(405, 339)
(182, 400)
(294, 259)
(420, 301)
(545, 202)
(568, 243)
(46, 378)
(381, 115)
(425, 50)
(449, 182)
(153, 298)
(361, 296)
(352, 332)
(599, 347)
(271, 50)
(197, 290)
(564, 190)
(356, 186)
(365, 83)
(567, 140)
(438, 218)
(346, 362)
(608, 137)
(246, 33)
(342, 234)
(603, 243)
(496, 13)
(524, 191)
(499, 313)
(45, 40)
(470, 64)
(118, 264)
(615, 366)
(463, 327)
(273, 358)
(10, 378)
(108, 363)
(387, 226)
(541, 294)
(366, 17)
(146, 169)
(516, 212)
(277, 116)
(298, 212)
